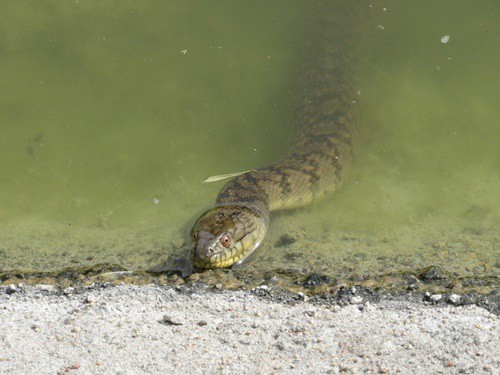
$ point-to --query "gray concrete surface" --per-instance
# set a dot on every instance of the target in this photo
(155, 330)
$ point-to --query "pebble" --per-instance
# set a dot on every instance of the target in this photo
(303, 296)
(11, 289)
(455, 299)
(435, 298)
(336, 308)
(46, 287)
(167, 319)
(90, 299)
(356, 300)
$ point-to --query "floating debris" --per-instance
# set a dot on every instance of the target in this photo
(224, 176)
(156, 200)
(445, 39)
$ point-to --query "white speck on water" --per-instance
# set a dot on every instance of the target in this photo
(184, 51)
(381, 27)
(156, 200)
(336, 157)
(255, 149)
(445, 39)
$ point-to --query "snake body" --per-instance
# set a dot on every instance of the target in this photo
(315, 165)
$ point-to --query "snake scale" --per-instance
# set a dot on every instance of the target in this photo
(315, 165)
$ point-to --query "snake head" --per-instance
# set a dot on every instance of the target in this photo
(225, 235)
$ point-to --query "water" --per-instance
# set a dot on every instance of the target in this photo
(111, 116)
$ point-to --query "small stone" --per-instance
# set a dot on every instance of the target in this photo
(450, 364)
(436, 275)
(46, 288)
(336, 308)
(11, 289)
(356, 300)
(343, 368)
(261, 291)
(35, 327)
(168, 320)
(90, 299)
(383, 370)
(455, 299)
(435, 298)
(315, 280)
(202, 323)
(69, 290)
(98, 362)
(303, 296)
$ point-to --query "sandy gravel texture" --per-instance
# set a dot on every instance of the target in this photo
(152, 330)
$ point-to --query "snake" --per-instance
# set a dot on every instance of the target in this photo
(315, 165)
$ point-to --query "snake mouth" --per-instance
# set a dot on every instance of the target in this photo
(228, 257)
(211, 263)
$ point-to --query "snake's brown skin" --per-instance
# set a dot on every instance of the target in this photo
(315, 165)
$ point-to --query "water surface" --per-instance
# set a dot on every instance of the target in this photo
(112, 115)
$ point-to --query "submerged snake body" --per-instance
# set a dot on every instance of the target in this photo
(316, 164)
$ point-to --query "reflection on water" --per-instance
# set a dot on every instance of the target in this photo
(112, 116)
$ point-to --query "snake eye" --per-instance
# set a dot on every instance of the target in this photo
(225, 241)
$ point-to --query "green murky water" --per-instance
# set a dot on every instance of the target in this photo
(112, 115)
